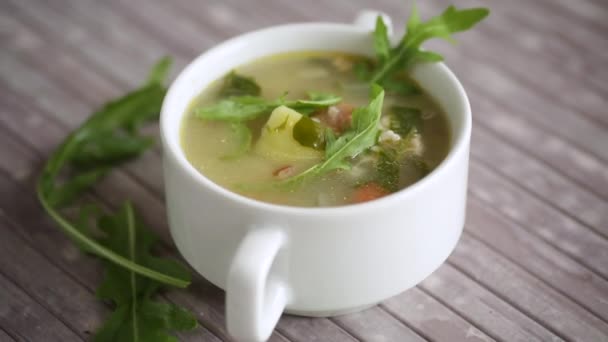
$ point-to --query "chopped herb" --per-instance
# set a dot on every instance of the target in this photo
(404, 119)
(107, 139)
(388, 170)
(338, 150)
(243, 108)
(239, 85)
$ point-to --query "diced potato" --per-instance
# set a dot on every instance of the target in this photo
(277, 142)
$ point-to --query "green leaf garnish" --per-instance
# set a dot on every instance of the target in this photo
(239, 85)
(359, 138)
(159, 71)
(244, 108)
(382, 44)
(106, 147)
(72, 188)
(400, 85)
(137, 317)
(387, 170)
(408, 51)
(316, 100)
(107, 139)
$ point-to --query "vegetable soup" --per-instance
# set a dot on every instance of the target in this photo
(307, 129)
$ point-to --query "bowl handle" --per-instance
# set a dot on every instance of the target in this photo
(366, 19)
(256, 291)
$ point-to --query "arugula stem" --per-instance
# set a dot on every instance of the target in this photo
(132, 276)
(102, 251)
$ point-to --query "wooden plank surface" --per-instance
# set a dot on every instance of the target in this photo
(532, 264)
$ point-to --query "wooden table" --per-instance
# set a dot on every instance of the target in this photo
(532, 264)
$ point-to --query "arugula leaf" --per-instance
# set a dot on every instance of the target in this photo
(137, 317)
(238, 108)
(315, 100)
(121, 116)
(159, 71)
(243, 136)
(108, 138)
(408, 51)
(382, 44)
(338, 150)
(109, 148)
(74, 187)
(239, 85)
(401, 86)
(243, 108)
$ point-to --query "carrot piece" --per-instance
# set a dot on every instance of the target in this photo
(368, 192)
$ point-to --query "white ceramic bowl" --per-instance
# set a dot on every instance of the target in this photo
(311, 261)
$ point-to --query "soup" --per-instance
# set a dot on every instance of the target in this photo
(302, 129)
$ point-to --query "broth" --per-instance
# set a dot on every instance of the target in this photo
(208, 143)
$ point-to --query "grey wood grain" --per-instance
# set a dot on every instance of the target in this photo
(586, 170)
(540, 180)
(542, 220)
(531, 265)
(53, 289)
(98, 88)
(376, 325)
(544, 261)
(27, 320)
(525, 36)
(4, 336)
(478, 304)
(528, 294)
(431, 318)
(107, 53)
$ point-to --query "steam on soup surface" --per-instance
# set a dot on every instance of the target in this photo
(250, 134)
